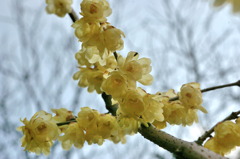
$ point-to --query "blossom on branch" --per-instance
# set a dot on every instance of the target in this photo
(59, 7)
(39, 133)
(227, 137)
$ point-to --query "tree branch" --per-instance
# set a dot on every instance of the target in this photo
(66, 122)
(213, 88)
(73, 16)
(108, 102)
(181, 148)
(208, 133)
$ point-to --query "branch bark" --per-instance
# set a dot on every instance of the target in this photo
(73, 16)
(181, 148)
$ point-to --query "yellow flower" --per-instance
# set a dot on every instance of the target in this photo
(39, 133)
(117, 84)
(107, 126)
(95, 9)
(59, 7)
(227, 133)
(112, 37)
(235, 4)
(227, 137)
(95, 80)
(81, 58)
(132, 103)
(213, 145)
(153, 108)
(62, 115)
(85, 30)
(90, 55)
(191, 96)
(136, 69)
(175, 112)
(129, 124)
(110, 65)
(73, 135)
(99, 126)
(106, 37)
(87, 117)
(91, 78)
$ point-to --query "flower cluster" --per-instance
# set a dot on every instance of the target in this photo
(99, 40)
(235, 4)
(39, 133)
(102, 69)
(59, 7)
(227, 137)
(91, 126)
(184, 110)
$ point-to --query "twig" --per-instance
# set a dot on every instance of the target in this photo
(108, 102)
(212, 88)
(208, 133)
(66, 122)
(115, 55)
(73, 15)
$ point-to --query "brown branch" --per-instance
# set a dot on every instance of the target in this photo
(66, 122)
(73, 15)
(208, 133)
(213, 88)
(108, 102)
(115, 55)
(181, 148)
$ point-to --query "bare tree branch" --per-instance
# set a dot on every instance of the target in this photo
(213, 88)
(208, 133)
(73, 16)
(184, 149)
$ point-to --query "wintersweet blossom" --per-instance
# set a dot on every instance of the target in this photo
(95, 9)
(129, 124)
(74, 135)
(39, 133)
(175, 112)
(136, 69)
(227, 137)
(59, 7)
(191, 96)
(91, 78)
(85, 30)
(99, 127)
(117, 84)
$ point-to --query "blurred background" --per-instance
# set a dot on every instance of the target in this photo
(188, 41)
